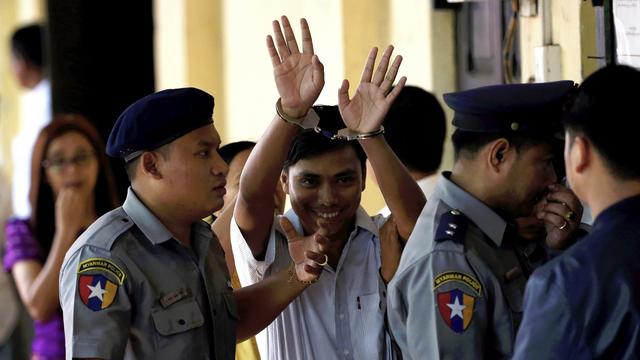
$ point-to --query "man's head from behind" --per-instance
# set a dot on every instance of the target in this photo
(27, 58)
(503, 142)
(324, 178)
(415, 128)
(169, 144)
(602, 127)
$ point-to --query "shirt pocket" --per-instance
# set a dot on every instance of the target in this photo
(369, 321)
(177, 319)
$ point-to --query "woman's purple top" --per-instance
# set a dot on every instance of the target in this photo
(48, 340)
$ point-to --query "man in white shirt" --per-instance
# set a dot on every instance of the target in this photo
(27, 62)
(323, 172)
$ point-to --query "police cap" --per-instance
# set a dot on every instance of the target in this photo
(158, 119)
(534, 108)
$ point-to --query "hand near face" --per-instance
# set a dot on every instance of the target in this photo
(70, 207)
(365, 112)
(561, 214)
(299, 75)
(307, 252)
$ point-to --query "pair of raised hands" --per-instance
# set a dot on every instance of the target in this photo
(299, 77)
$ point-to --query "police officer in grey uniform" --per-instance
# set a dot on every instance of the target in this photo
(151, 273)
(457, 293)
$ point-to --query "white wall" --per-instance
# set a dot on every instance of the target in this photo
(250, 91)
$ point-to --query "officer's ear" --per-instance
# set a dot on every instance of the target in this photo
(149, 164)
(499, 153)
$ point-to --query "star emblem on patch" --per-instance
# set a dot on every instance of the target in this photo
(456, 308)
(96, 291)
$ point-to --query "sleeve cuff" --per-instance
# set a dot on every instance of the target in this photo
(94, 348)
(250, 270)
(20, 244)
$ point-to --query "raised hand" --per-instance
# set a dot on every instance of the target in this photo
(307, 252)
(365, 112)
(299, 75)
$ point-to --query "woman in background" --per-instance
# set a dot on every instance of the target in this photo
(71, 186)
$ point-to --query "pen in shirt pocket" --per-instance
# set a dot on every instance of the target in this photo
(358, 302)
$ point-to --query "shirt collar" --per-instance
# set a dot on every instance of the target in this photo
(148, 223)
(617, 213)
(492, 224)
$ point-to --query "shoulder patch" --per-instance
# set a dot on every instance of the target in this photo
(452, 226)
(460, 277)
(456, 308)
(96, 291)
(102, 265)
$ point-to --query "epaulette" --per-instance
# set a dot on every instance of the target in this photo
(104, 231)
(452, 226)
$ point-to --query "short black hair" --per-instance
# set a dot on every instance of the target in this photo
(468, 143)
(415, 128)
(27, 43)
(309, 143)
(231, 150)
(130, 166)
(605, 112)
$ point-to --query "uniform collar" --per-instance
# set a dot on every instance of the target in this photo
(363, 221)
(492, 224)
(617, 213)
(148, 223)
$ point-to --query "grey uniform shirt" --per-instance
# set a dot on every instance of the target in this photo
(127, 280)
(458, 290)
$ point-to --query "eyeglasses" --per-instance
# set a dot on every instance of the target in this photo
(57, 164)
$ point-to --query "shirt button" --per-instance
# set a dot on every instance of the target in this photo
(341, 316)
(346, 353)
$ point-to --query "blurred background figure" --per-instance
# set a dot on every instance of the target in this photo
(14, 322)
(415, 129)
(71, 187)
(235, 155)
(28, 66)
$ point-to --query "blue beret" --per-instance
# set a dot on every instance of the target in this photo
(158, 119)
(518, 108)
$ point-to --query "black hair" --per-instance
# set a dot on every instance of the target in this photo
(231, 150)
(415, 128)
(605, 112)
(130, 166)
(468, 143)
(308, 143)
(27, 44)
